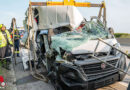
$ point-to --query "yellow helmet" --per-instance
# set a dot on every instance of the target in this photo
(1, 26)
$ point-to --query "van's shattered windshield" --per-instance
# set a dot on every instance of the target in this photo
(71, 39)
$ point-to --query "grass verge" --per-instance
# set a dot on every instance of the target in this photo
(122, 35)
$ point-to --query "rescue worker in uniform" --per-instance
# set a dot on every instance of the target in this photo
(16, 42)
(5, 50)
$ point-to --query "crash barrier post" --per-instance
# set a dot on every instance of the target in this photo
(124, 71)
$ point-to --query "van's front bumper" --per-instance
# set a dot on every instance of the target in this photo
(94, 84)
(90, 76)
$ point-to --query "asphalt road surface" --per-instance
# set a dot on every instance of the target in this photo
(124, 41)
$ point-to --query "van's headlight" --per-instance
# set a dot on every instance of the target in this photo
(68, 56)
(118, 47)
(70, 75)
(122, 62)
(114, 51)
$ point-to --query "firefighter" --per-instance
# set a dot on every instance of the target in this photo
(5, 50)
(16, 42)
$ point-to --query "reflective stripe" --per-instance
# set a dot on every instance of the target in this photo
(17, 35)
(1, 26)
(16, 51)
(9, 37)
(3, 40)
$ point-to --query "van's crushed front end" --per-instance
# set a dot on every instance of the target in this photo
(78, 67)
(91, 73)
(66, 44)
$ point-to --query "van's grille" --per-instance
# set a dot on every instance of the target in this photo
(96, 68)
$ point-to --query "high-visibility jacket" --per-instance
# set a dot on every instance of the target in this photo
(3, 41)
(16, 36)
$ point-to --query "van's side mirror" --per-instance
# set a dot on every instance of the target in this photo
(111, 30)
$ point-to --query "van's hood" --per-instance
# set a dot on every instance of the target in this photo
(90, 46)
(81, 46)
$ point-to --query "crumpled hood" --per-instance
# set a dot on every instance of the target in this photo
(82, 46)
(90, 46)
(84, 40)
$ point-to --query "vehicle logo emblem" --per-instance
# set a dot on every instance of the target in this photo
(103, 65)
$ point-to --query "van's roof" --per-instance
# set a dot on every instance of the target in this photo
(57, 16)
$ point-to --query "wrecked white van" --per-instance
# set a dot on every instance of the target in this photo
(64, 43)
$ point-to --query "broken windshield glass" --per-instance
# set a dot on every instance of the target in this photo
(71, 39)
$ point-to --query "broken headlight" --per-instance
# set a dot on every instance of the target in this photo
(70, 72)
(114, 51)
(118, 47)
(70, 75)
(122, 62)
(66, 55)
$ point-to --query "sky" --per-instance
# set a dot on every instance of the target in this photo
(118, 12)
